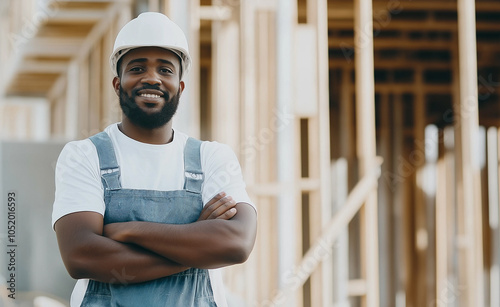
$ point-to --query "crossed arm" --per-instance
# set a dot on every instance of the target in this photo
(140, 251)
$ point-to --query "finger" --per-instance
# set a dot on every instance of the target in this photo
(222, 208)
(214, 203)
(208, 209)
(228, 214)
(216, 198)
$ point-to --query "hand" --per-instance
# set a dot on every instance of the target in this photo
(219, 207)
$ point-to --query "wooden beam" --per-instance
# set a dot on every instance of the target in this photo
(53, 47)
(287, 161)
(468, 120)
(344, 10)
(77, 16)
(386, 192)
(71, 103)
(340, 255)
(215, 13)
(420, 231)
(494, 211)
(405, 25)
(50, 67)
(319, 17)
(366, 148)
(319, 250)
(99, 29)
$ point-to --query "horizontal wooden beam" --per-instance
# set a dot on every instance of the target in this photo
(77, 16)
(274, 189)
(51, 67)
(388, 23)
(215, 12)
(344, 10)
(395, 43)
(356, 287)
(53, 47)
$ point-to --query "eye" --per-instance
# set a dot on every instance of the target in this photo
(166, 70)
(136, 69)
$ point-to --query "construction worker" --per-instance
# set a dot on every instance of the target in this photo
(144, 214)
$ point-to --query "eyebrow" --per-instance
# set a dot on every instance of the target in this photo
(142, 60)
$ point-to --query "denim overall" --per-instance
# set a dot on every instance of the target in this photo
(188, 288)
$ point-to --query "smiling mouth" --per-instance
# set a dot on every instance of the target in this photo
(150, 96)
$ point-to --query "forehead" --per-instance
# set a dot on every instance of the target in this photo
(151, 54)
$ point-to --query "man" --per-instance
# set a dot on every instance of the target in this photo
(141, 215)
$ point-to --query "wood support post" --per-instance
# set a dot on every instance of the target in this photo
(366, 150)
(467, 120)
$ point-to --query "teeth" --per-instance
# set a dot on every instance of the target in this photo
(150, 96)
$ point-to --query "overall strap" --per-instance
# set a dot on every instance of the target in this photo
(110, 171)
(192, 166)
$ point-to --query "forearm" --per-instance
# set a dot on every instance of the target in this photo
(88, 254)
(203, 244)
(109, 261)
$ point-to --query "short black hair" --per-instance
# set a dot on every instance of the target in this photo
(119, 64)
(119, 68)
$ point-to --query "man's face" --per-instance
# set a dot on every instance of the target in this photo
(149, 87)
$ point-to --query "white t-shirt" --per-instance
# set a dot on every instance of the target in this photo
(143, 166)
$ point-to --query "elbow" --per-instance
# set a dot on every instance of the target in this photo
(240, 251)
(74, 272)
(240, 256)
(76, 266)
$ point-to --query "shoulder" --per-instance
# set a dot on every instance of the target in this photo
(77, 150)
(77, 157)
(215, 150)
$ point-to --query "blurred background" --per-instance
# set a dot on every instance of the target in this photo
(367, 132)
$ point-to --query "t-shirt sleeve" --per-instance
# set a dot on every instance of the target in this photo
(78, 181)
(222, 173)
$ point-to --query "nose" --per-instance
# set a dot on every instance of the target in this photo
(151, 78)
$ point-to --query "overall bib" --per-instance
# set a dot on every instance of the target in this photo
(188, 288)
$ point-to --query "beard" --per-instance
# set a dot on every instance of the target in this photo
(142, 119)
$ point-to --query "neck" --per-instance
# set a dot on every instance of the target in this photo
(160, 135)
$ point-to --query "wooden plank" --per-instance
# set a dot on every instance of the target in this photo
(417, 160)
(442, 234)
(397, 180)
(451, 187)
(72, 102)
(468, 120)
(388, 268)
(494, 211)
(82, 124)
(263, 154)
(419, 25)
(344, 10)
(430, 148)
(95, 88)
(49, 67)
(215, 12)
(318, 16)
(226, 92)
(366, 150)
(289, 228)
(53, 47)
(153, 5)
(110, 109)
(81, 15)
(318, 251)
(340, 255)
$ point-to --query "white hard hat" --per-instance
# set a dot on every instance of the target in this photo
(151, 30)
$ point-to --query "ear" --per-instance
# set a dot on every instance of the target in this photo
(181, 86)
(116, 85)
